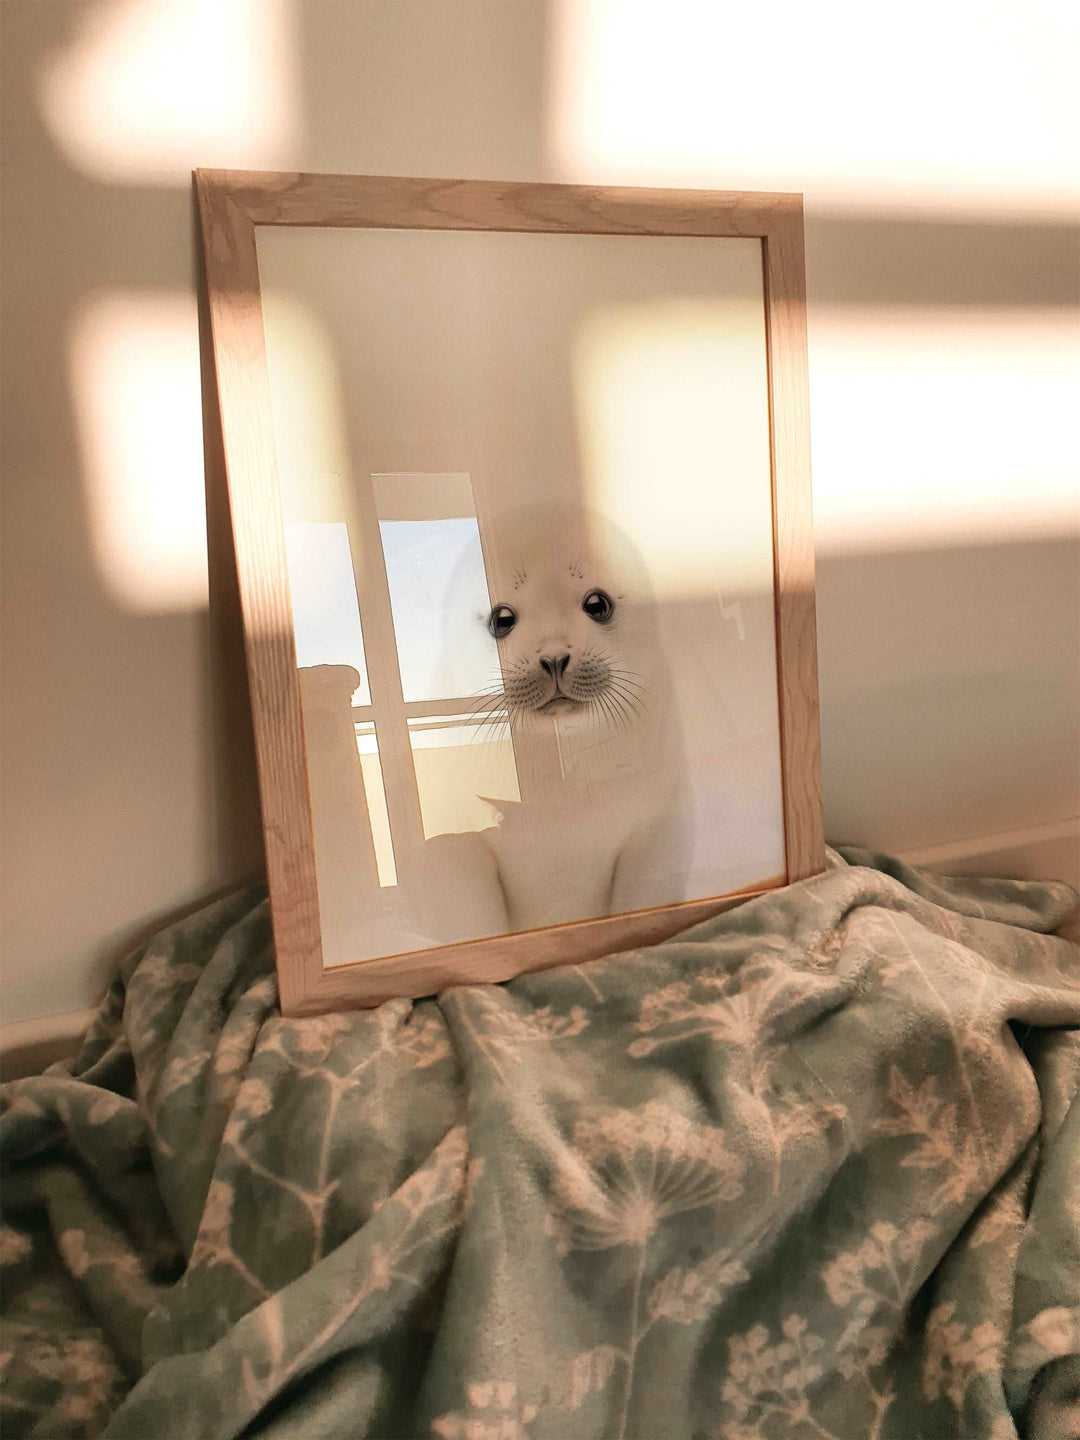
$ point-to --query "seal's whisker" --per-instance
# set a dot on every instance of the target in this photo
(487, 703)
(629, 699)
(636, 703)
(604, 708)
(480, 718)
(609, 709)
(500, 733)
(626, 717)
(599, 713)
(626, 713)
(487, 733)
(631, 704)
(628, 687)
(629, 677)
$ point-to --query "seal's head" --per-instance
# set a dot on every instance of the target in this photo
(572, 618)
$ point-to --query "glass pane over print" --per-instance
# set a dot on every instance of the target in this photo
(438, 590)
(587, 417)
(367, 746)
(464, 768)
(326, 617)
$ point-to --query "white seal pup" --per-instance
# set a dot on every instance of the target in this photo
(602, 826)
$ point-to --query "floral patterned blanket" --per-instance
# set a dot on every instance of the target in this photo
(809, 1170)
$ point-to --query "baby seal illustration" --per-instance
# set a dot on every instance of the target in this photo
(583, 682)
(569, 630)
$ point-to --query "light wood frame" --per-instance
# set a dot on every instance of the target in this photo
(231, 204)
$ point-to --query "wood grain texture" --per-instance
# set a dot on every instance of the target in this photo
(231, 203)
(243, 388)
(395, 202)
(793, 543)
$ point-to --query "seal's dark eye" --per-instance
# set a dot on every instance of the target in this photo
(599, 606)
(501, 621)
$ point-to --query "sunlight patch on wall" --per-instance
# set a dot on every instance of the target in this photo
(859, 106)
(135, 382)
(934, 427)
(149, 88)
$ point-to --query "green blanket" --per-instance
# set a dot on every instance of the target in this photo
(810, 1170)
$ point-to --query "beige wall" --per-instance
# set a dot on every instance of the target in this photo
(949, 637)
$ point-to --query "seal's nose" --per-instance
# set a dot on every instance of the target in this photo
(555, 665)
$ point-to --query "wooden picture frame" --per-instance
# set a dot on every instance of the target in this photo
(231, 206)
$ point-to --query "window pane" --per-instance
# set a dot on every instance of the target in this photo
(439, 598)
(326, 617)
(371, 769)
(461, 765)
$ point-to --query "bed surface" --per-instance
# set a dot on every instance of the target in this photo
(811, 1169)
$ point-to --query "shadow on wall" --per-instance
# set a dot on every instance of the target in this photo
(129, 779)
(129, 783)
(128, 771)
(950, 680)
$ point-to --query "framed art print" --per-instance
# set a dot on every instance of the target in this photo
(519, 479)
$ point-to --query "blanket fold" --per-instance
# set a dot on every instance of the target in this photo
(810, 1169)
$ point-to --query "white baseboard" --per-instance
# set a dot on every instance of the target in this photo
(28, 1046)
(1042, 852)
